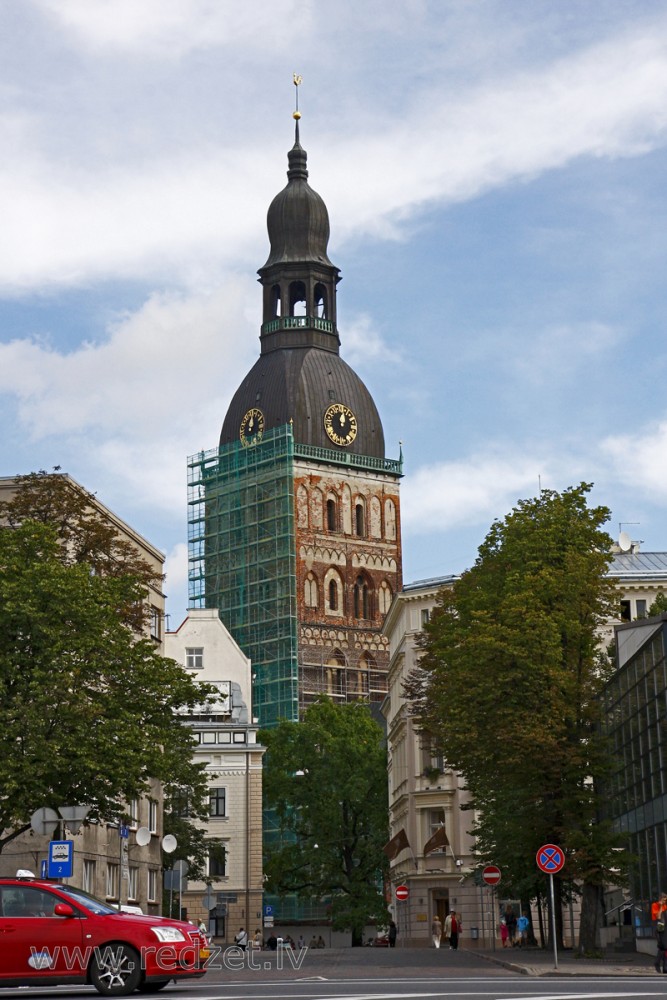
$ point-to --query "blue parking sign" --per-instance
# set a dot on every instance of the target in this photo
(61, 859)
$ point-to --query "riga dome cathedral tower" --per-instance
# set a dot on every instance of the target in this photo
(294, 524)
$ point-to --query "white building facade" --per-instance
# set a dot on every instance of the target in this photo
(225, 740)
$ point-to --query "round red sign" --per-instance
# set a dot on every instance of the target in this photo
(491, 874)
(402, 892)
(550, 858)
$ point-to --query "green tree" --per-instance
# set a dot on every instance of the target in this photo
(326, 779)
(86, 534)
(659, 605)
(88, 708)
(509, 686)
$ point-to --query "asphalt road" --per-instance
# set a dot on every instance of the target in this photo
(382, 974)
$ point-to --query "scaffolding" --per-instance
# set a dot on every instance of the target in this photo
(243, 559)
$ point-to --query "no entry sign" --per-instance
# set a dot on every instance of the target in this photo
(550, 859)
(491, 874)
(402, 892)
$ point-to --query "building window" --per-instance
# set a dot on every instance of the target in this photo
(152, 815)
(155, 622)
(133, 883)
(113, 881)
(208, 737)
(641, 609)
(194, 658)
(89, 876)
(217, 863)
(331, 515)
(152, 885)
(436, 820)
(359, 525)
(426, 616)
(626, 611)
(333, 595)
(239, 737)
(217, 801)
(134, 814)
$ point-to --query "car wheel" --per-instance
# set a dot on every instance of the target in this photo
(154, 987)
(115, 970)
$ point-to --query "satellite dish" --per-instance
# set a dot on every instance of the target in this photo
(143, 836)
(624, 542)
(44, 821)
(169, 843)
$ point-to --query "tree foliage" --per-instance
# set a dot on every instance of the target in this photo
(509, 686)
(326, 779)
(88, 708)
(86, 535)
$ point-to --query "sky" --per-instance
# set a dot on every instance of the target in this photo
(494, 172)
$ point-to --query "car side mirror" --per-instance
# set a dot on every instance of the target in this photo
(63, 910)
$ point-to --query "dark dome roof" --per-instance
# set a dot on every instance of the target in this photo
(300, 385)
(297, 220)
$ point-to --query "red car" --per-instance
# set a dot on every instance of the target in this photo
(55, 935)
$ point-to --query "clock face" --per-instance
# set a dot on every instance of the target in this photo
(340, 424)
(252, 427)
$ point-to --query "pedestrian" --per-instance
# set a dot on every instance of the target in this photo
(320, 942)
(510, 920)
(393, 932)
(241, 939)
(301, 943)
(661, 937)
(258, 940)
(448, 927)
(436, 931)
(522, 930)
(504, 934)
(454, 931)
(272, 942)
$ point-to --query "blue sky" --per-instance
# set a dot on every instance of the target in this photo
(494, 172)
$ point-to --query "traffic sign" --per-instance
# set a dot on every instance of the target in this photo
(402, 893)
(550, 859)
(491, 874)
(61, 858)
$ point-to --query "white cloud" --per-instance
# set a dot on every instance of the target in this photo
(178, 200)
(638, 460)
(365, 345)
(153, 391)
(439, 497)
(169, 29)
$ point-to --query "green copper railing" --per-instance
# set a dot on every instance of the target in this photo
(299, 323)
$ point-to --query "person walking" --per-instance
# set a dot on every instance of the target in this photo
(392, 935)
(510, 920)
(436, 931)
(454, 931)
(661, 938)
(241, 939)
(448, 927)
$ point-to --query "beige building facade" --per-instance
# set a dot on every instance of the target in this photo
(225, 740)
(426, 799)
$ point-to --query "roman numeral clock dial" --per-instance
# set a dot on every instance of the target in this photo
(340, 424)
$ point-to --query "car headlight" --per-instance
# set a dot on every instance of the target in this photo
(168, 934)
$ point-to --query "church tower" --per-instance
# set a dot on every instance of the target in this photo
(295, 518)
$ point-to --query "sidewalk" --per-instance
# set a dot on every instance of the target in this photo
(537, 962)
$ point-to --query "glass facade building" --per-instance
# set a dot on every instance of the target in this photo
(635, 702)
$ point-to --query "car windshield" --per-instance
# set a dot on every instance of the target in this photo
(90, 902)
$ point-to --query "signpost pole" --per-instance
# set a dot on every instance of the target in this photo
(553, 919)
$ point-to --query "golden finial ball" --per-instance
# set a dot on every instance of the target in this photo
(296, 115)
